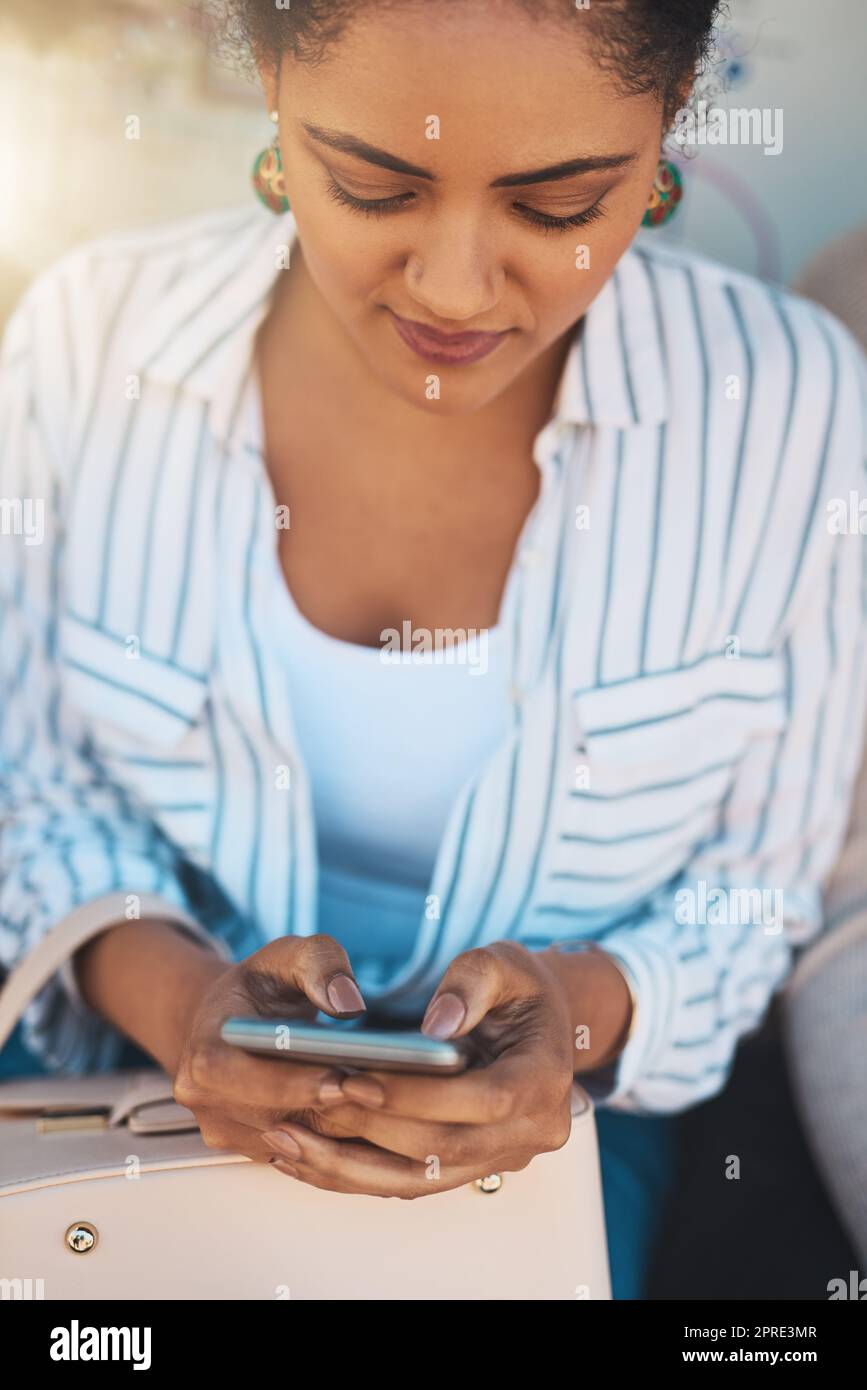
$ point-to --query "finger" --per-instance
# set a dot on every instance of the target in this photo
(315, 966)
(347, 1166)
(263, 1118)
(475, 983)
(228, 1076)
(483, 1095)
(455, 1146)
(226, 1134)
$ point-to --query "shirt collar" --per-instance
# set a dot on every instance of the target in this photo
(200, 337)
(616, 372)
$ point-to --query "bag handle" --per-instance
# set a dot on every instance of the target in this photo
(34, 972)
(60, 944)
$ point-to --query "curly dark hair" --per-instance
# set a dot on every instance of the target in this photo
(649, 45)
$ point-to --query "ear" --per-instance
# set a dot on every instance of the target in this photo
(679, 98)
(684, 92)
(269, 77)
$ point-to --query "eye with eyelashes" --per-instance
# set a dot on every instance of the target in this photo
(380, 207)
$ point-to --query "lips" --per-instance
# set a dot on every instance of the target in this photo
(450, 349)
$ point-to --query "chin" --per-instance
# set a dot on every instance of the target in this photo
(456, 398)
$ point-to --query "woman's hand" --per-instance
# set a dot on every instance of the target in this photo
(237, 1097)
(426, 1134)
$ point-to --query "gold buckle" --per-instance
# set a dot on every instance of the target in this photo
(62, 1121)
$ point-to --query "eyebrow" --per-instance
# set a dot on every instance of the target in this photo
(350, 144)
(371, 154)
(589, 164)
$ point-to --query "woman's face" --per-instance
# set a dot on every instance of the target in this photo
(446, 165)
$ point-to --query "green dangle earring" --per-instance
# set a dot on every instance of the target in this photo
(665, 195)
(268, 180)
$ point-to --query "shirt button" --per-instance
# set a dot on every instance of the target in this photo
(516, 694)
(530, 558)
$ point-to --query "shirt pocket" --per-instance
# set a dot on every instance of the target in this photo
(146, 719)
(672, 728)
(654, 757)
(122, 690)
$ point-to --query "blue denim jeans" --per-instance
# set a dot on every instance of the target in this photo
(637, 1157)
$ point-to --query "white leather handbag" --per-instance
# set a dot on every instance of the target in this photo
(107, 1191)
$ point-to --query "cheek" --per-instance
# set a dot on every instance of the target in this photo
(561, 284)
(345, 260)
(566, 278)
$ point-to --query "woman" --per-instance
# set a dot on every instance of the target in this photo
(587, 815)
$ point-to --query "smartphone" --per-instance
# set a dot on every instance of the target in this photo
(298, 1041)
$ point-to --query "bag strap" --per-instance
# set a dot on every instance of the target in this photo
(37, 968)
(60, 944)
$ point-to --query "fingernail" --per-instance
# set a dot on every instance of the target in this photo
(284, 1167)
(344, 996)
(285, 1145)
(444, 1016)
(329, 1092)
(363, 1089)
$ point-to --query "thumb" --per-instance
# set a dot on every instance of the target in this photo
(474, 984)
(315, 966)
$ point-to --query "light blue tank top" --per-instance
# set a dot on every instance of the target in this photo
(388, 740)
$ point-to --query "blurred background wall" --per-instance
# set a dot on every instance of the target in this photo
(73, 71)
(71, 74)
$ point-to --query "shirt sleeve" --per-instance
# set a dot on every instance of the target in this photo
(68, 837)
(708, 954)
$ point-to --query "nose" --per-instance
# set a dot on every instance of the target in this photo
(454, 273)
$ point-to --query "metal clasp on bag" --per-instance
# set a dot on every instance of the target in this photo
(492, 1183)
(81, 1237)
(62, 1121)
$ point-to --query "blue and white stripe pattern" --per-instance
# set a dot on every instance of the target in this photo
(687, 640)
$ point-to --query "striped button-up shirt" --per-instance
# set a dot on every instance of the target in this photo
(686, 638)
